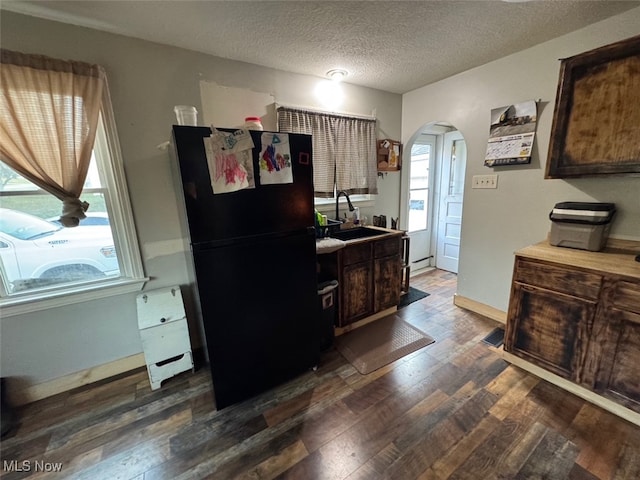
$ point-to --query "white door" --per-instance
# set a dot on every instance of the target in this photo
(454, 160)
(420, 201)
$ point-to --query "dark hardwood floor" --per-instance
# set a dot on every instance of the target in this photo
(453, 409)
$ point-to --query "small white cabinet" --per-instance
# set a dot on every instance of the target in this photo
(164, 334)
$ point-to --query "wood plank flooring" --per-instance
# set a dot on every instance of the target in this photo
(452, 410)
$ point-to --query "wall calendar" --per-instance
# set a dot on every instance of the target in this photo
(511, 135)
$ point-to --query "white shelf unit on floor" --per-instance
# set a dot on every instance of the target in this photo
(164, 333)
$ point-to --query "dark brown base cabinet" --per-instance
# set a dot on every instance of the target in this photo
(369, 276)
(577, 315)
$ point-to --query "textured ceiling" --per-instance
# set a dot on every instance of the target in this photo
(392, 46)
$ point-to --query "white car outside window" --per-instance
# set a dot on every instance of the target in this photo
(36, 252)
(72, 265)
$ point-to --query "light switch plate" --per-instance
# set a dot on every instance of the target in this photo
(484, 181)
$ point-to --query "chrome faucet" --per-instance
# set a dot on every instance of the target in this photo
(351, 209)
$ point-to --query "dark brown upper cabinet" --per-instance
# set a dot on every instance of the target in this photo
(596, 121)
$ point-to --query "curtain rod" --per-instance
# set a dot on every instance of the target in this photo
(324, 112)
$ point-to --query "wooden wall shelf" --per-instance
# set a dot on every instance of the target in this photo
(389, 155)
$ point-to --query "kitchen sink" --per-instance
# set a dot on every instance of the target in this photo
(356, 232)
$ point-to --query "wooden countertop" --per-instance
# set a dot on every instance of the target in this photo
(385, 233)
(618, 257)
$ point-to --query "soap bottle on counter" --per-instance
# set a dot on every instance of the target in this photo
(356, 215)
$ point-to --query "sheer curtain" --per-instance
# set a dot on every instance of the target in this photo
(344, 150)
(49, 113)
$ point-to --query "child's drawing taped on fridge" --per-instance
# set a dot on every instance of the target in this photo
(275, 159)
(230, 162)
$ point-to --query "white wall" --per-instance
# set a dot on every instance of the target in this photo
(146, 81)
(498, 222)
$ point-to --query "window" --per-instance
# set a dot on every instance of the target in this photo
(421, 155)
(344, 150)
(456, 167)
(44, 264)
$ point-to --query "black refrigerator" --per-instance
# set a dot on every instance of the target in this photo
(255, 265)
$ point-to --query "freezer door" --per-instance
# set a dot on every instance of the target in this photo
(259, 307)
(252, 211)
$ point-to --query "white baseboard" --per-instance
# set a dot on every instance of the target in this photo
(32, 393)
(414, 273)
(480, 308)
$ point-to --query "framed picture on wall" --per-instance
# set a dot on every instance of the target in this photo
(596, 120)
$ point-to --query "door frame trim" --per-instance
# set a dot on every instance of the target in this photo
(438, 129)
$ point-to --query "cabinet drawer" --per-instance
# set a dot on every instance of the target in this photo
(356, 253)
(627, 296)
(557, 278)
(386, 248)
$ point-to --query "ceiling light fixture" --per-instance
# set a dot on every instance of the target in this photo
(337, 74)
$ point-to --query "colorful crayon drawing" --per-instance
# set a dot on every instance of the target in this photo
(229, 174)
(275, 159)
(230, 169)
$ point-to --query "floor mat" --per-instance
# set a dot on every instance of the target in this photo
(380, 342)
(411, 296)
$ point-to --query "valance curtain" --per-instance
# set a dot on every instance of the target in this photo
(49, 111)
(344, 150)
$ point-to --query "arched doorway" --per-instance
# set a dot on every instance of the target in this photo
(432, 195)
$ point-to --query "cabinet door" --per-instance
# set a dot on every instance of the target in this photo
(619, 377)
(387, 282)
(549, 329)
(357, 298)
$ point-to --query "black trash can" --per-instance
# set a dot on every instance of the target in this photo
(327, 303)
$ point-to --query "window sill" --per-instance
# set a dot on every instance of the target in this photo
(46, 300)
